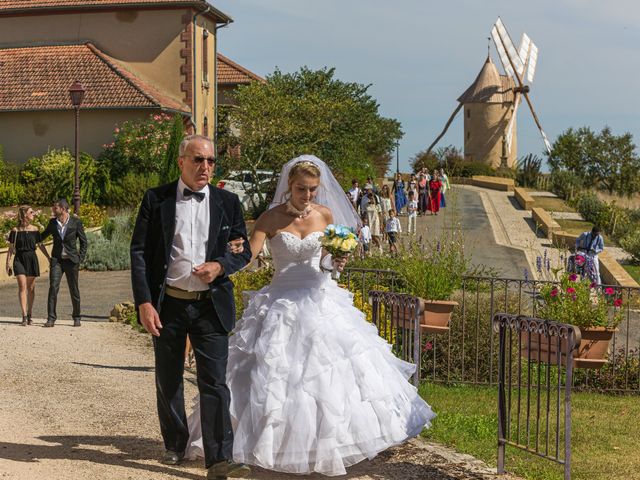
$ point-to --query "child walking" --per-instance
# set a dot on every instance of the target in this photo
(365, 238)
(393, 229)
(412, 210)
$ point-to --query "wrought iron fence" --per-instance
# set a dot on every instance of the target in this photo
(535, 373)
(365, 279)
(397, 316)
(468, 353)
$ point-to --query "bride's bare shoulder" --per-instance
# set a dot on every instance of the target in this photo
(270, 218)
(324, 211)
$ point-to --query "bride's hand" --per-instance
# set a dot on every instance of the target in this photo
(339, 263)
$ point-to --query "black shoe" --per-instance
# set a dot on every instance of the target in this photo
(50, 323)
(171, 458)
(226, 468)
(76, 323)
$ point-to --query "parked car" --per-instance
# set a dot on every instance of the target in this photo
(241, 183)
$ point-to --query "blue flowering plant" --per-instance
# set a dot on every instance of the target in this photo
(339, 241)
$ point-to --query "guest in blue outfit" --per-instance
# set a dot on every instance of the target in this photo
(399, 193)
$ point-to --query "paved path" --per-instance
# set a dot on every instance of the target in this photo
(484, 238)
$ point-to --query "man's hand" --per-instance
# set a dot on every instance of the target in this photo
(236, 246)
(208, 271)
(150, 319)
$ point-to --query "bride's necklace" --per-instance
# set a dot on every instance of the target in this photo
(291, 210)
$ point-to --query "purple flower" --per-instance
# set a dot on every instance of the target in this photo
(573, 277)
(539, 264)
(438, 246)
(526, 275)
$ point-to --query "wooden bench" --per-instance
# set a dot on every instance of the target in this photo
(544, 222)
(494, 183)
(525, 200)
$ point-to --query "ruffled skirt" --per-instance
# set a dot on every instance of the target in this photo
(313, 386)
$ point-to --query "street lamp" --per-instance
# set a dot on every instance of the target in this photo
(397, 156)
(77, 94)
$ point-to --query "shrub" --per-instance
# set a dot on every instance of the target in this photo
(51, 176)
(139, 146)
(128, 190)
(631, 243)
(528, 170)
(565, 184)
(92, 215)
(247, 281)
(464, 168)
(104, 254)
(11, 193)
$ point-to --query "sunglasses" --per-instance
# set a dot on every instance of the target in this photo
(198, 160)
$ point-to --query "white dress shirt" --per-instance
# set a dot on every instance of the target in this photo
(189, 247)
(62, 230)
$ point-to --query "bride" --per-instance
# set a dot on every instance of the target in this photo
(313, 386)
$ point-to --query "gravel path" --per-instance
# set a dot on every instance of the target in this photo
(79, 403)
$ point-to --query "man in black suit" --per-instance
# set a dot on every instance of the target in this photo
(180, 267)
(67, 231)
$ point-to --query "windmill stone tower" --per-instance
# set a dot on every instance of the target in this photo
(488, 107)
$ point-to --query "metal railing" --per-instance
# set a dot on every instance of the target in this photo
(365, 279)
(467, 353)
(534, 387)
(397, 317)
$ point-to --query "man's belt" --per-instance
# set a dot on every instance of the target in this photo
(185, 295)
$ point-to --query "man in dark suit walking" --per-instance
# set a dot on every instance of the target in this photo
(180, 267)
(67, 232)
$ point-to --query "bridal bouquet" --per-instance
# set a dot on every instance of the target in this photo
(339, 241)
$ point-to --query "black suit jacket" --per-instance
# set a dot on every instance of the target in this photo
(153, 237)
(73, 236)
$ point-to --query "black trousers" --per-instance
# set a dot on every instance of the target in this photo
(70, 270)
(210, 343)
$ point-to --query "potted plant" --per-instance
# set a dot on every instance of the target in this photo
(596, 311)
(432, 272)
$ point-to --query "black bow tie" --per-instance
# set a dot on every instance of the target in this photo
(187, 193)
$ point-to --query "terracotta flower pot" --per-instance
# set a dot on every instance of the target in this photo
(434, 319)
(592, 352)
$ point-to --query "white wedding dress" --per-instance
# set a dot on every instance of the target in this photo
(313, 386)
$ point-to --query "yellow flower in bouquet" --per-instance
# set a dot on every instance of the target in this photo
(339, 240)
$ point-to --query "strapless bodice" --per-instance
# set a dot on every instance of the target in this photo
(296, 260)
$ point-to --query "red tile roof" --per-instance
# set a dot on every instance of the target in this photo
(229, 72)
(38, 78)
(18, 6)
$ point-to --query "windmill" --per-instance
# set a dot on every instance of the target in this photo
(491, 102)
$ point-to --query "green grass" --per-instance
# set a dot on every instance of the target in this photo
(633, 270)
(576, 227)
(551, 204)
(605, 433)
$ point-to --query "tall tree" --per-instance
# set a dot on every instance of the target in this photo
(309, 111)
(602, 159)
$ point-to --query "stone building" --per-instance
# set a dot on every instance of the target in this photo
(134, 58)
(487, 108)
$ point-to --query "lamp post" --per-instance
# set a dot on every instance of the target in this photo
(77, 94)
(397, 156)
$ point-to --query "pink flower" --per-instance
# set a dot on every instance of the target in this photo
(427, 346)
(609, 291)
(617, 302)
(554, 292)
(580, 259)
(571, 290)
(593, 285)
(573, 277)
(117, 130)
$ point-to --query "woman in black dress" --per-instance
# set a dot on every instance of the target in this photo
(23, 241)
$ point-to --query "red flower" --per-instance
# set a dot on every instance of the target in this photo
(617, 302)
(427, 346)
(609, 291)
(580, 259)
(573, 277)
(593, 285)
(554, 292)
(571, 290)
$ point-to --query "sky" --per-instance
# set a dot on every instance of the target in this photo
(420, 55)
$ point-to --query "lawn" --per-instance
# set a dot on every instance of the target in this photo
(551, 204)
(633, 270)
(576, 227)
(604, 440)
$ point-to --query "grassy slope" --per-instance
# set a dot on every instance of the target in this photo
(604, 440)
